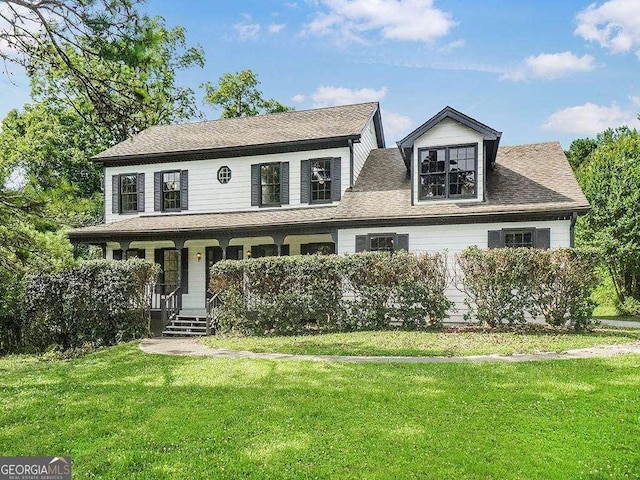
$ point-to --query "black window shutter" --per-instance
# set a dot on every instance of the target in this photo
(184, 190)
(284, 183)
(141, 192)
(115, 194)
(542, 238)
(361, 243)
(495, 239)
(336, 188)
(118, 254)
(402, 242)
(142, 253)
(305, 181)
(255, 185)
(157, 191)
(184, 270)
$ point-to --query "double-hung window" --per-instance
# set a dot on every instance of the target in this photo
(129, 193)
(321, 180)
(448, 172)
(270, 184)
(171, 191)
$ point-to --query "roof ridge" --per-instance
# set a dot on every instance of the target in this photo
(272, 114)
(550, 142)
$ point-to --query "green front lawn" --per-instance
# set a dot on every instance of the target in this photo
(120, 413)
(451, 342)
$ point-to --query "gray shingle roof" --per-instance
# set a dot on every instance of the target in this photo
(210, 221)
(276, 128)
(534, 178)
(528, 178)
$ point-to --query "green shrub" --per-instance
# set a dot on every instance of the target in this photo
(496, 283)
(561, 285)
(328, 293)
(99, 302)
(630, 306)
(503, 285)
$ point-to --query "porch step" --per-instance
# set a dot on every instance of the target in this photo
(184, 325)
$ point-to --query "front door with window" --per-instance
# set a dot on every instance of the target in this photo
(171, 268)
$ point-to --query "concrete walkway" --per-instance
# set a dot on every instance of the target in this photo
(193, 348)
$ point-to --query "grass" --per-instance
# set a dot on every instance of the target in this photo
(452, 342)
(120, 413)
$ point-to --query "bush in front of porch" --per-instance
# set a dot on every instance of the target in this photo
(97, 302)
(329, 293)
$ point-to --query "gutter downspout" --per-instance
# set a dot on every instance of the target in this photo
(350, 142)
(572, 230)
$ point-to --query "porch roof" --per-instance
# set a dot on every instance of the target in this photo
(155, 226)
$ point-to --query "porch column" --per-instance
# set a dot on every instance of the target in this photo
(334, 238)
(124, 246)
(278, 239)
(224, 243)
(178, 243)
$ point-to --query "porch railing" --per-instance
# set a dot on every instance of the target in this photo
(212, 318)
(167, 298)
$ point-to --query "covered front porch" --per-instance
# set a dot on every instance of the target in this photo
(181, 301)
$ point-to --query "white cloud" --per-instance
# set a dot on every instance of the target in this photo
(247, 31)
(451, 46)
(298, 98)
(330, 96)
(402, 20)
(635, 99)
(590, 119)
(396, 126)
(615, 25)
(276, 27)
(549, 66)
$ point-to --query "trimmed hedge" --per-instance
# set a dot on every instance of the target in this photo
(504, 285)
(99, 302)
(330, 293)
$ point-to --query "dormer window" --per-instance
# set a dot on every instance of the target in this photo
(448, 172)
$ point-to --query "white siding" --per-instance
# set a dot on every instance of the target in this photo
(361, 150)
(453, 239)
(206, 194)
(449, 132)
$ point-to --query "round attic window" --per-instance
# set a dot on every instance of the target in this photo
(224, 174)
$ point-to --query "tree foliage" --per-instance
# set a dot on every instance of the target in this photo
(113, 65)
(611, 181)
(237, 95)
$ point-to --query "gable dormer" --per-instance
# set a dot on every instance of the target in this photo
(448, 157)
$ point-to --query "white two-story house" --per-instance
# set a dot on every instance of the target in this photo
(322, 180)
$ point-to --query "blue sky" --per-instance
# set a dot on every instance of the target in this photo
(536, 70)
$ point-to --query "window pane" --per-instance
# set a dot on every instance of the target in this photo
(171, 268)
(129, 193)
(321, 180)
(270, 184)
(433, 186)
(518, 239)
(382, 243)
(171, 191)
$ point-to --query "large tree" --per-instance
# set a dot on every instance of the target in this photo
(237, 95)
(115, 66)
(610, 178)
